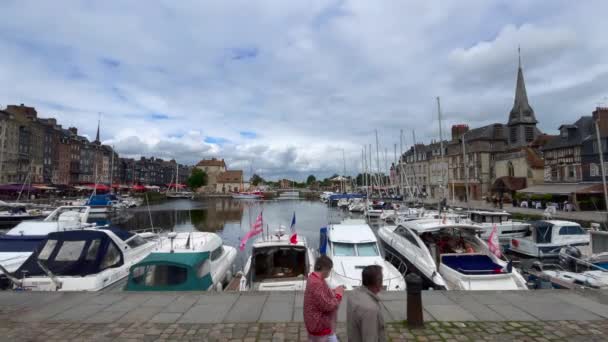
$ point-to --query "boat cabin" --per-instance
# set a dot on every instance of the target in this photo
(489, 217)
(545, 238)
(79, 252)
(171, 272)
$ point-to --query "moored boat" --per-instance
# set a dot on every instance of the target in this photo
(248, 195)
(82, 260)
(194, 261)
(352, 245)
(277, 264)
(546, 238)
(450, 255)
(21, 241)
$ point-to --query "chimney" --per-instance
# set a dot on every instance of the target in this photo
(459, 130)
(601, 113)
(73, 130)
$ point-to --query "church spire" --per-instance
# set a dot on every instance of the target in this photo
(97, 136)
(521, 112)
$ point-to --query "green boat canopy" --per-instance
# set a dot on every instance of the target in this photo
(171, 272)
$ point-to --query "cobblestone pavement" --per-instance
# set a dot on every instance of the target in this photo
(434, 331)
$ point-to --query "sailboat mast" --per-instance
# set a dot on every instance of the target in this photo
(344, 172)
(601, 153)
(444, 173)
(370, 166)
(378, 160)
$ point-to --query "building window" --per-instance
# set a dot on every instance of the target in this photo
(529, 131)
(594, 170)
(513, 134)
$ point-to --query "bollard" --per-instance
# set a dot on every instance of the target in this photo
(413, 284)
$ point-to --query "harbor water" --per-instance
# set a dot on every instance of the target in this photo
(229, 218)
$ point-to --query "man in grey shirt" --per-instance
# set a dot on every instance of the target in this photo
(364, 319)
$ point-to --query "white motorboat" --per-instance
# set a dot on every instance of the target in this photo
(546, 238)
(357, 205)
(343, 203)
(19, 243)
(582, 266)
(595, 279)
(289, 195)
(352, 245)
(193, 261)
(83, 260)
(248, 195)
(12, 215)
(506, 227)
(180, 194)
(450, 255)
(324, 197)
(276, 264)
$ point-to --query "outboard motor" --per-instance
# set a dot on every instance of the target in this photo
(568, 258)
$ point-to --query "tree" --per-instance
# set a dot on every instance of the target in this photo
(311, 179)
(197, 178)
(256, 180)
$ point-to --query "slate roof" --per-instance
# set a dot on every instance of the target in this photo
(577, 133)
(232, 176)
(212, 162)
(489, 132)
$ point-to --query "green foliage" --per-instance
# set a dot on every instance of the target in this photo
(256, 180)
(197, 178)
(311, 179)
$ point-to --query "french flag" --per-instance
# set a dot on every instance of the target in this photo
(294, 236)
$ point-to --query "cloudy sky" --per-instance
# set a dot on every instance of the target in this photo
(284, 87)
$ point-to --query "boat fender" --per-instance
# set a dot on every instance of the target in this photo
(219, 287)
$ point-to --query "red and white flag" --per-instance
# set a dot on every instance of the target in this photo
(256, 229)
(493, 244)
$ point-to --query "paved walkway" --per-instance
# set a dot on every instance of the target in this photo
(590, 216)
(266, 316)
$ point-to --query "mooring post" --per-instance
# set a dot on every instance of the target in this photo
(413, 283)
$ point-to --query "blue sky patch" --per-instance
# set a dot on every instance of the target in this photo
(110, 62)
(157, 116)
(248, 134)
(244, 53)
(216, 140)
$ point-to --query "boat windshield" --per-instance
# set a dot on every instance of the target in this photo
(543, 233)
(159, 275)
(355, 249)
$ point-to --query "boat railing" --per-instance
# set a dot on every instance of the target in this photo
(584, 262)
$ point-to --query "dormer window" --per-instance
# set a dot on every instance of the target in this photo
(564, 133)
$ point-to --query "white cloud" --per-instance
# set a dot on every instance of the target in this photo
(321, 75)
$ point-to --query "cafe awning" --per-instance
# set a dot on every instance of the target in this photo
(508, 184)
(559, 189)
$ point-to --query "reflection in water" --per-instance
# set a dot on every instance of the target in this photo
(230, 218)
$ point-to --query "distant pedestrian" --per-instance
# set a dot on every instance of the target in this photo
(321, 303)
(364, 319)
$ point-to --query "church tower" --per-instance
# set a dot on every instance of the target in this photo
(522, 122)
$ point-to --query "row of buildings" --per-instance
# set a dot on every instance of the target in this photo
(503, 159)
(39, 150)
